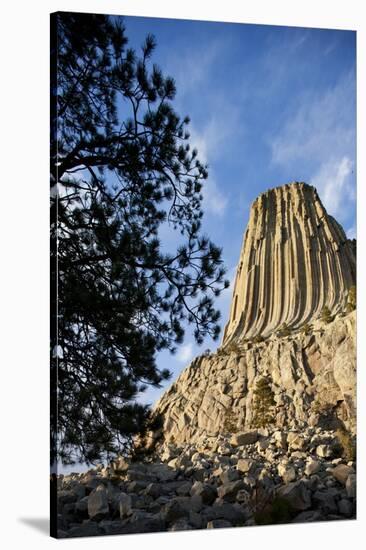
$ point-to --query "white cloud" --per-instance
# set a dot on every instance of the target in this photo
(185, 353)
(214, 201)
(319, 137)
(334, 183)
(322, 126)
(209, 142)
(192, 68)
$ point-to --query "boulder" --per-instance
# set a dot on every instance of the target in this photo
(297, 442)
(246, 465)
(173, 510)
(312, 467)
(207, 492)
(234, 513)
(325, 501)
(81, 506)
(125, 505)
(325, 451)
(287, 472)
(229, 491)
(297, 495)
(244, 438)
(280, 439)
(263, 444)
(98, 507)
(153, 490)
(163, 472)
(137, 486)
(66, 497)
(229, 475)
(341, 473)
(184, 489)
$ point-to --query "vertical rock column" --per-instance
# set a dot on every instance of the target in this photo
(295, 259)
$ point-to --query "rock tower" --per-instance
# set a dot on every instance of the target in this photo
(295, 260)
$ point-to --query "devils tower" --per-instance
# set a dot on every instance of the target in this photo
(290, 321)
(295, 260)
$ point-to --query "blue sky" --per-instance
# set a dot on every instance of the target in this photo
(268, 105)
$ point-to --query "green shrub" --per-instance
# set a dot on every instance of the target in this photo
(230, 423)
(325, 315)
(306, 329)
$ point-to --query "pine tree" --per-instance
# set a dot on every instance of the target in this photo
(263, 404)
(121, 170)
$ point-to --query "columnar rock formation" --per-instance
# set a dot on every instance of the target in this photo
(295, 260)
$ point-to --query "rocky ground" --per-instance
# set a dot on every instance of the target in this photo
(249, 478)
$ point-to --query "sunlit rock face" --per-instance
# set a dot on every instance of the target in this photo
(295, 260)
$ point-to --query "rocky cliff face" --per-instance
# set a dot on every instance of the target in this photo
(294, 261)
(309, 375)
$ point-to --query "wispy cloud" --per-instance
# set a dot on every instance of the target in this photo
(193, 67)
(320, 126)
(210, 143)
(185, 353)
(335, 184)
(214, 201)
(320, 135)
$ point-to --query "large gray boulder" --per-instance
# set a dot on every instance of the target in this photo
(244, 438)
(125, 505)
(207, 492)
(229, 491)
(98, 507)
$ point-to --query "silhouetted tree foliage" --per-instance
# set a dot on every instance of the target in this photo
(121, 169)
